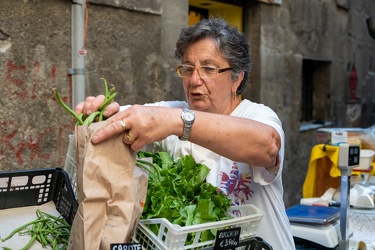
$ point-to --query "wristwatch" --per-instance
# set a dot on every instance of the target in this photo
(188, 118)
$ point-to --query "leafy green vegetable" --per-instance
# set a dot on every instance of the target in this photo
(178, 191)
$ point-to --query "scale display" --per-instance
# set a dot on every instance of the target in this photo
(354, 156)
(349, 155)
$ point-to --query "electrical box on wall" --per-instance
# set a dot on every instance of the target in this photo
(271, 1)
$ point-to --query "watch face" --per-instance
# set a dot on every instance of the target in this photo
(189, 116)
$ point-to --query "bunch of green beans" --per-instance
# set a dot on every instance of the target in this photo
(110, 95)
(49, 230)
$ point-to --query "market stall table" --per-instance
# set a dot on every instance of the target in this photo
(13, 218)
(363, 223)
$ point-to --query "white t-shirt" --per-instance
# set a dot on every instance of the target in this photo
(242, 183)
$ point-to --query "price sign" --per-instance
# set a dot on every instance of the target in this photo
(124, 246)
(227, 238)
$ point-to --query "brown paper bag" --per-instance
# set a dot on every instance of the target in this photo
(111, 191)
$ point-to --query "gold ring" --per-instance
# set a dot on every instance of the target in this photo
(123, 124)
(130, 138)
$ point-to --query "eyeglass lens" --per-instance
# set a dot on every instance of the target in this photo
(203, 71)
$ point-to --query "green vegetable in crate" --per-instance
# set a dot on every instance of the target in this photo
(178, 191)
(49, 230)
(110, 95)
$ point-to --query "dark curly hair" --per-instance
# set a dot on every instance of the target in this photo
(231, 43)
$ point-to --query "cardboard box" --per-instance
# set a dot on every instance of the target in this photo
(335, 136)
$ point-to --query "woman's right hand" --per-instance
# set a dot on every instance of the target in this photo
(91, 104)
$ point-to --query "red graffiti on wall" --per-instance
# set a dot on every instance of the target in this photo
(7, 132)
(29, 149)
(13, 142)
(33, 147)
(11, 72)
(17, 73)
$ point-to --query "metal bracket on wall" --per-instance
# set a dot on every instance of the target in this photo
(79, 1)
(76, 71)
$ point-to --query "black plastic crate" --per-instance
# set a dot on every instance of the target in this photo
(35, 187)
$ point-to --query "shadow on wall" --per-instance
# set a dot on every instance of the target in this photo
(371, 26)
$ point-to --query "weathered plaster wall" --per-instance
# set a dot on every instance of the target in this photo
(129, 43)
(34, 57)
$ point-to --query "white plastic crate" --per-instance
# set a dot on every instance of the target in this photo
(173, 237)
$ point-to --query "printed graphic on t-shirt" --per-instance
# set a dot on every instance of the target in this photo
(236, 185)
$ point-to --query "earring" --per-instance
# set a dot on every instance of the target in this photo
(234, 95)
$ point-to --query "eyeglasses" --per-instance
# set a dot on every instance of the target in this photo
(186, 70)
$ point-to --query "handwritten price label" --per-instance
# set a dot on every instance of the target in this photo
(227, 238)
(123, 246)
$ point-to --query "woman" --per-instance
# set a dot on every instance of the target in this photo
(242, 142)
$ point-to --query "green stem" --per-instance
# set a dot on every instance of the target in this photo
(66, 107)
(91, 118)
(144, 164)
(107, 101)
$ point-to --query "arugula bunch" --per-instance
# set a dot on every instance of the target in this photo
(178, 191)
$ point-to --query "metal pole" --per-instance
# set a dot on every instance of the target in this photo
(78, 70)
(344, 211)
(349, 156)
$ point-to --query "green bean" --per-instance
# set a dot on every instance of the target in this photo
(101, 117)
(47, 229)
(55, 218)
(109, 94)
(90, 119)
(30, 242)
(81, 119)
(22, 227)
(109, 98)
(106, 91)
(40, 236)
(54, 243)
(55, 240)
(66, 107)
(107, 101)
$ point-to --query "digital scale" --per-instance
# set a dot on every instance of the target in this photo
(319, 236)
(327, 227)
(317, 226)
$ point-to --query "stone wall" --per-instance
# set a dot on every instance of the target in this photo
(129, 43)
(332, 32)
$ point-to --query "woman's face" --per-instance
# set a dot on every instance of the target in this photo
(214, 94)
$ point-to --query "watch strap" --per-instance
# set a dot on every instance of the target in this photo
(186, 133)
